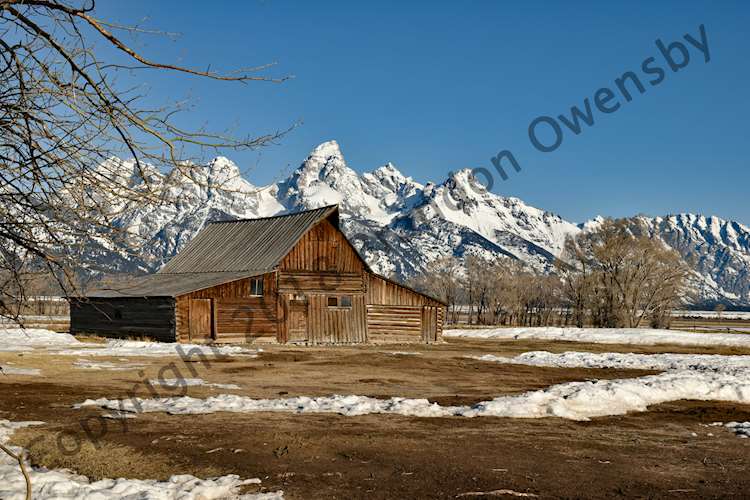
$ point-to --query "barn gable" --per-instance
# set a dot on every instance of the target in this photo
(248, 245)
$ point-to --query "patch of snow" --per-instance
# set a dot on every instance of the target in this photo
(183, 382)
(403, 353)
(118, 415)
(663, 361)
(742, 429)
(14, 348)
(137, 348)
(629, 336)
(104, 365)
(12, 370)
(13, 338)
(711, 314)
(57, 484)
(573, 400)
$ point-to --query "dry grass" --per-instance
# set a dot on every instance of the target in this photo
(100, 461)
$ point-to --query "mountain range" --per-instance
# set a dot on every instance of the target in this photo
(399, 225)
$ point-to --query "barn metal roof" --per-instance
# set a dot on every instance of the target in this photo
(245, 245)
(169, 285)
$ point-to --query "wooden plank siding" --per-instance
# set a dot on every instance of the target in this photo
(323, 264)
(381, 291)
(237, 316)
(336, 325)
(324, 281)
(429, 324)
(323, 248)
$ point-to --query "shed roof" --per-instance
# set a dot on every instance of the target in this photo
(169, 285)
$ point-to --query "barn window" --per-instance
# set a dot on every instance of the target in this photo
(256, 287)
(342, 301)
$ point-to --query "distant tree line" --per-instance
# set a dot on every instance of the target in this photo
(613, 276)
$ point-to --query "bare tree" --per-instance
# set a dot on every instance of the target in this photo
(576, 268)
(622, 278)
(442, 280)
(477, 282)
(67, 124)
(720, 308)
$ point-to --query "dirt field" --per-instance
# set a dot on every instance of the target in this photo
(642, 455)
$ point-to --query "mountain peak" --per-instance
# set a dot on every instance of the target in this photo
(465, 182)
(327, 150)
(388, 169)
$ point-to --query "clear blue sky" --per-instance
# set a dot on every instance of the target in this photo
(438, 86)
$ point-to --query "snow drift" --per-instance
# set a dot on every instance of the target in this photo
(628, 336)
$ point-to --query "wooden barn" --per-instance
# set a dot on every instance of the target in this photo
(289, 279)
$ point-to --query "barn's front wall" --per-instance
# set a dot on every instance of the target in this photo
(322, 266)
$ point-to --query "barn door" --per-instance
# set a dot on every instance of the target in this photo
(297, 321)
(429, 324)
(201, 320)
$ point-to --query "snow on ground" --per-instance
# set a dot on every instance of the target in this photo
(18, 339)
(14, 338)
(631, 336)
(573, 400)
(741, 429)
(85, 364)
(711, 314)
(665, 361)
(56, 484)
(183, 382)
(13, 370)
(137, 348)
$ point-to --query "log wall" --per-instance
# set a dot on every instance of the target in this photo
(152, 317)
(394, 324)
(397, 314)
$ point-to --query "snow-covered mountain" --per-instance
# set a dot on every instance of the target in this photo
(400, 225)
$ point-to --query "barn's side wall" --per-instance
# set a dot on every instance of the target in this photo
(235, 315)
(396, 314)
(152, 317)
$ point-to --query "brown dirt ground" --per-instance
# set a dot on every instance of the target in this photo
(643, 455)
